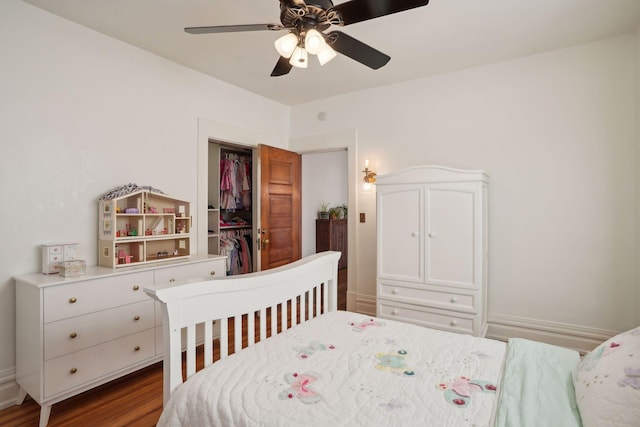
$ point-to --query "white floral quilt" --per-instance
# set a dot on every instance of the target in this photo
(346, 369)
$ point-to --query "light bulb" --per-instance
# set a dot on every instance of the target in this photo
(326, 54)
(299, 58)
(314, 42)
(366, 186)
(286, 44)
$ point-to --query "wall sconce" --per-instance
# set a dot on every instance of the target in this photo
(369, 177)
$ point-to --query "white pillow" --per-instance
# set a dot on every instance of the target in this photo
(607, 382)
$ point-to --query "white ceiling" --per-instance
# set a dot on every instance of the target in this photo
(443, 36)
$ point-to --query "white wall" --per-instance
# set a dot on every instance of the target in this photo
(324, 179)
(556, 132)
(80, 114)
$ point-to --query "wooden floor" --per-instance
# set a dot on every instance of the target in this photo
(134, 400)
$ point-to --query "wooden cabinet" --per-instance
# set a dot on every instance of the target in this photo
(79, 332)
(432, 248)
(331, 235)
(142, 226)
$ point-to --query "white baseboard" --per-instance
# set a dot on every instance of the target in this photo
(503, 327)
(366, 304)
(8, 388)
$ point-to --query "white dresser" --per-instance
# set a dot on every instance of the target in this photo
(432, 248)
(75, 333)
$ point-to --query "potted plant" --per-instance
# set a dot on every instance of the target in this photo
(334, 213)
(324, 210)
(343, 210)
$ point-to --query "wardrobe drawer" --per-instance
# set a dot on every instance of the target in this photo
(83, 297)
(90, 364)
(423, 316)
(443, 299)
(69, 335)
(201, 270)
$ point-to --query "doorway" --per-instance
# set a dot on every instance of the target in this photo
(325, 181)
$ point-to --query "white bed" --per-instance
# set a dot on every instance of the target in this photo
(346, 369)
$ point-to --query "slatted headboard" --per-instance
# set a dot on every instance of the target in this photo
(302, 289)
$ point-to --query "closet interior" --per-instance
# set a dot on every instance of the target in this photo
(231, 206)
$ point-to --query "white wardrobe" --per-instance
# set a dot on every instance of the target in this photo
(432, 248)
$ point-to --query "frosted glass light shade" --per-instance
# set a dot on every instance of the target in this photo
(326, 54)
(286, 44)
(299, 58)
(314, 42)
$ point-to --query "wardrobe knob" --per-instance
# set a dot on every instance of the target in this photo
(73, 300)
(136, 287)
(432, 234)
(72, 335)
(73, 370)
(415, 234)
(137, 348)
(136, 318)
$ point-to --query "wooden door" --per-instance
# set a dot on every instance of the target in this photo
(280, 206)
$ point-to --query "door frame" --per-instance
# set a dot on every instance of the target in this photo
(209, 130)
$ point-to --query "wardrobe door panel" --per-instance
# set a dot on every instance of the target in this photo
(400, 213)
(450, 235)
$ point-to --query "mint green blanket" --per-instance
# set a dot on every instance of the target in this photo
(537, 389)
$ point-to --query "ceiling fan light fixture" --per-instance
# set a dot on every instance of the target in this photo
(286, 45)
(299, 58)
(326, 54)
(314, 42)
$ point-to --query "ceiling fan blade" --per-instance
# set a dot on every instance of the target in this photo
(362, 10)
(233, 28)
(282, 67)
(356, 50)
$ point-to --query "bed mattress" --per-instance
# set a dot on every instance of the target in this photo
(346, 369)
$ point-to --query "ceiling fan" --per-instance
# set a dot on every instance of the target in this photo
(306, 23)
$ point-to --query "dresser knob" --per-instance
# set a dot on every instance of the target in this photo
(432, 234)
(213, 273)
(454, 322)
(72, 300)
(394, 311)
(136, 287)
(415, 234)
(394, 291)
(172, 280)
(136, 318)
(137, 348)
(73, 335)
(454, 300)
(73, 370)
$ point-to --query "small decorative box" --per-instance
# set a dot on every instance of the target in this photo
(132, 210)
(54, 253)
(72, 268)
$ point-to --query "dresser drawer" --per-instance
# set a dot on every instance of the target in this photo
(90, 364)
(69, 335)
(444, 299)
(423, 316)
(201, 270)
(83, 297)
